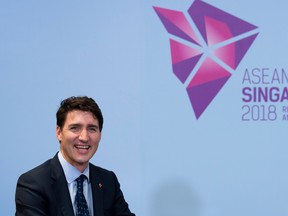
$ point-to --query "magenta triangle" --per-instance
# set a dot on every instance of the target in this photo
(172, 27)
(233, 53)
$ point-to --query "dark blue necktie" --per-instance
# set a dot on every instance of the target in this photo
(81, 204)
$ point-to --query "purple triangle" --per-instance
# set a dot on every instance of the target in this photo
(201, 96)
(199, 10)
(183, 69)
(242, 47)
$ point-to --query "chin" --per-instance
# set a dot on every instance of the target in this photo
(83, 160)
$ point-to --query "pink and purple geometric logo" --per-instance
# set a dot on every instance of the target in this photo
(206, 46)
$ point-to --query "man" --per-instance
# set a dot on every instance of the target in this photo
(68, 185)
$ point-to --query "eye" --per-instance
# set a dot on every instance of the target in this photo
(93, 129)
(74, 128)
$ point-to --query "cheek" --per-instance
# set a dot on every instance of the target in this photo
(96, 141)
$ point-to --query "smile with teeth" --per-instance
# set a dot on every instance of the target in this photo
(82, 146)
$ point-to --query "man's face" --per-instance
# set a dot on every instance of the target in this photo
(79, 138)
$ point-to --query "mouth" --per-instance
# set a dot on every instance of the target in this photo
(82, 147)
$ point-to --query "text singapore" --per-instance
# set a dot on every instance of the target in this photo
(264, 94)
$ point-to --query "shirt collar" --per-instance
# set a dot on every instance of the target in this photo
(71, 173)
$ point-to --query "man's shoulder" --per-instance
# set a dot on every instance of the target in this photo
(101, 172)
(41, 171)
(95, 168)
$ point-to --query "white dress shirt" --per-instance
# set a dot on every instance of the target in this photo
(71, 174)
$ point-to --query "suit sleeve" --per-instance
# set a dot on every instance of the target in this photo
(29, 199)
(121, 207)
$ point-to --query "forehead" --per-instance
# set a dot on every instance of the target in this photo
(78, 116)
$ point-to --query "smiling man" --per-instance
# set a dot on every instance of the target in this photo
(67, 184)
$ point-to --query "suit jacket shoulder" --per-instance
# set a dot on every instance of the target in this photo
(43, 191)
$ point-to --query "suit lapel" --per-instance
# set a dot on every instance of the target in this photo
(62, 195)
(97, 191)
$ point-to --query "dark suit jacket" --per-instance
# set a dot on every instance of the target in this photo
(44, 191)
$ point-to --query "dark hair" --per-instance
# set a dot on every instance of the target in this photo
(82, 103)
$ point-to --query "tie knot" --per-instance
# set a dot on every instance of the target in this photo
(80, 179)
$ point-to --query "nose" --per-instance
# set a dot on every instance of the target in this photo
(83, 136)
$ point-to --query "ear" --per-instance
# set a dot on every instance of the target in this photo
(59, 133)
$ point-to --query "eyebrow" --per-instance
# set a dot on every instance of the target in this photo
(77, 125)
(70, 125)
